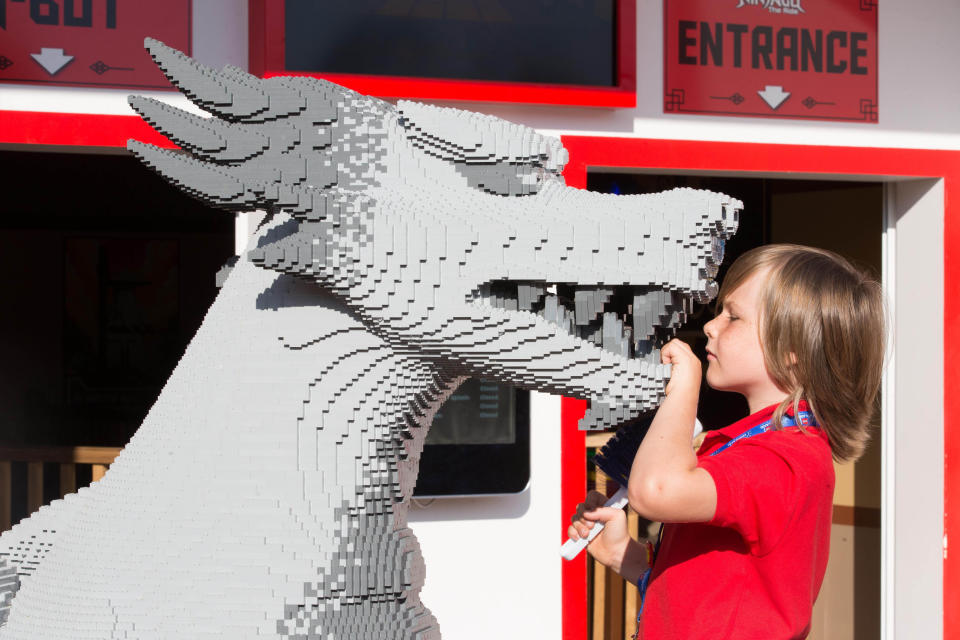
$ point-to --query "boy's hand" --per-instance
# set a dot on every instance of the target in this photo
(611, 544)
(686, 369)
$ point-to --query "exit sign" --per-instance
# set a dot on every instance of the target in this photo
(88, 42)
(810, 59)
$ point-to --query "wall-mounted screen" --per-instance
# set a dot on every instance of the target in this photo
(562, 52)
(479, 443)
(549, 41)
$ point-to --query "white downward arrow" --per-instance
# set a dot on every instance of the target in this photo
(774, 95)
(51, 59)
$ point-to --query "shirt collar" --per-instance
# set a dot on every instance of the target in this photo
(718, 436)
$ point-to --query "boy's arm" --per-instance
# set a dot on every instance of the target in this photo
(665, 483)
(614, 547)
(634, 562)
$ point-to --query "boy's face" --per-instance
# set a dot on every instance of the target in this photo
(734, 355)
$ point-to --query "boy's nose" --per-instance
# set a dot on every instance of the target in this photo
(708, 328)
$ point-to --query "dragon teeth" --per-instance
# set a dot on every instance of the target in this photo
(551, 309)
(589, 303)
(615, 339)
(639, 316)
(583, 307)
(555, 312)
(632, 334)
(529, 294)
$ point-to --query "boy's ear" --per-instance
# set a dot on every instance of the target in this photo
(793, 358)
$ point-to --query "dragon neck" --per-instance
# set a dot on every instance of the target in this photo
(280, 360)
(289, 434)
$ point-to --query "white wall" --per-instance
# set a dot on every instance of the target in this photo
(493, 564)
(915, 556)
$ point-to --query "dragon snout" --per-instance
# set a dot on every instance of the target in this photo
(723, 220)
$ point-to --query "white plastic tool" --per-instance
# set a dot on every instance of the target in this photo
(571, 548)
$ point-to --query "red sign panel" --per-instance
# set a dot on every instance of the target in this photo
(88, 42)
(812, 59)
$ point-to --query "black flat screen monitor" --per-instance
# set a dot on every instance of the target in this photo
(538, 41)
(479, 443)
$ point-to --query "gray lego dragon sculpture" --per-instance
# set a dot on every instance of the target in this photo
(406, 248)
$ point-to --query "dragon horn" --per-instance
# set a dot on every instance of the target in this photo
(210, 138)
(202, 180)
(225, 94)
(284, 100)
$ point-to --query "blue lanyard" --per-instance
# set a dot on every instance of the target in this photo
(806, 419)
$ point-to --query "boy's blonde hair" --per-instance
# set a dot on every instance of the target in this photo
(823, 335)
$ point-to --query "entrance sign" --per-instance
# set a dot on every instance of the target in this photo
(811, 59)
(88, 42)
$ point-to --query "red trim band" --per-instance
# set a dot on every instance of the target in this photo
(76, 129)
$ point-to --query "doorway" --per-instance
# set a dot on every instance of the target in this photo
(110, 273)
(848, 218)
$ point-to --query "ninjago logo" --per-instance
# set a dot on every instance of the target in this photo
(792, 7)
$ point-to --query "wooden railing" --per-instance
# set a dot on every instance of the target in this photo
(67, 458)
(613, 604)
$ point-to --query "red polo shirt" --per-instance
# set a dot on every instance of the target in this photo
(754, 571)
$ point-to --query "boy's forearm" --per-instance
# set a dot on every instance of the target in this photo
(633, 563)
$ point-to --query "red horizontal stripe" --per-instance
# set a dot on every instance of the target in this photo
(76, 129)
(476, 90)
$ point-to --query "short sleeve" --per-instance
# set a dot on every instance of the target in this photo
(756, 488)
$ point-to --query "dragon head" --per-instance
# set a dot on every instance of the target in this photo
(449, 233)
